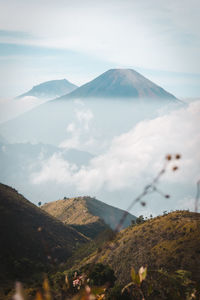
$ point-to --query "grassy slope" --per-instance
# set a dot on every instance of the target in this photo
(171, 242)
(86, 214)
(21, 240)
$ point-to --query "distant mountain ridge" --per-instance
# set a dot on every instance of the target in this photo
(120, 83)
(50, 89)
(88, 215)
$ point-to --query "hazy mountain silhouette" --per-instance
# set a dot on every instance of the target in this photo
(120, 83)
(50, 89)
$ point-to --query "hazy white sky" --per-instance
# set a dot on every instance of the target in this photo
(46, 39)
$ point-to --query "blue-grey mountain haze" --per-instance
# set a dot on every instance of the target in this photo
(50, 89)
(108, 147)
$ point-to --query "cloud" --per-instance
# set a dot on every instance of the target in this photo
(84, 117)
(81, 130)
(11, 108)
(117, 31)
(133, 158)
(106, 34)
(10, 35)
(55, 168)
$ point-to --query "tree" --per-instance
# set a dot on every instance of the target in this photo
(133, 222)
(140, 220)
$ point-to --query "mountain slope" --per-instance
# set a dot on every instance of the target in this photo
(30, 238)
(86, 214)
(169, 242)
(120, 83)
(50, 89)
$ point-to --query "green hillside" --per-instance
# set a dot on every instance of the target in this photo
(171, 242)
(168, 245)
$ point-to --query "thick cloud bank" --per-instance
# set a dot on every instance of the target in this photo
(133, 158)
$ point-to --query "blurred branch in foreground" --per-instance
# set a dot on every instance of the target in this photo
(150, 188)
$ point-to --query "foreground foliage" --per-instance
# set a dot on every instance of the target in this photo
(98, 282)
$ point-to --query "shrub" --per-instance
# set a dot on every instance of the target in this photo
(100, 275)
(116, 293)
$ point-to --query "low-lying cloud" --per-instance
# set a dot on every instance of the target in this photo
(11, 108)
(133, 158)
(81, 131)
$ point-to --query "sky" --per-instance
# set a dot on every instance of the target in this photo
(78, 40)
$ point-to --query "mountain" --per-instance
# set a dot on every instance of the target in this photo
(120, 83)
(87, 215)
(47, 122)
(167, 243)
(31, 239)
(50, 89)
